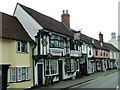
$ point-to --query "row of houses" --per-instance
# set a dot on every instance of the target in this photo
(36, 49)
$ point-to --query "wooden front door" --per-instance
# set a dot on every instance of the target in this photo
(40, 74)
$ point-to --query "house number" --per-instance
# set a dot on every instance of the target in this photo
(44, 42)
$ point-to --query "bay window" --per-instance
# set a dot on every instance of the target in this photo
(56, 41)
(18, 74)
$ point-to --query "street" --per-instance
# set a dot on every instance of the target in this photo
(108, 81)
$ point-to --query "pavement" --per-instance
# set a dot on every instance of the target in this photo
(63, 85)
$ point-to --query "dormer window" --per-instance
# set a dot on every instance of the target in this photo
(93, 41)
(101, 44)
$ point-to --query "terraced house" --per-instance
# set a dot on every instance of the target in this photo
(39, 50)
(16, 54)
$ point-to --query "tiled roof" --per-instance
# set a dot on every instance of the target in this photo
(111, 47)
(12, 29)
(97, 44)
(48, 23)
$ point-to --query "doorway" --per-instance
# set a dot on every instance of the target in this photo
(40, 74)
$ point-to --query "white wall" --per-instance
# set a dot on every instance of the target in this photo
(30, 25)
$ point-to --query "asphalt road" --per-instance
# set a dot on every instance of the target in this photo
(108, 81)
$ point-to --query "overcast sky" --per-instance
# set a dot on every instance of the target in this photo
(92, 16)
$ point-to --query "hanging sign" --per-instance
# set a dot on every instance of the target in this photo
(44, 42)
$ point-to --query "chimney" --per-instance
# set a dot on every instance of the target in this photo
(101, 37)
(113, 35)
(65, 18)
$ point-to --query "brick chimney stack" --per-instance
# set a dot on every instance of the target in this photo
(101, 37)
(65, 18)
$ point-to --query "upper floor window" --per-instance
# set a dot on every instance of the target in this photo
(96, 52)
(93, 41)
(83, 47)
(100, 52)
(74, 45)
(56, 41)
(22, 46)
(89, 50)
(106, 53)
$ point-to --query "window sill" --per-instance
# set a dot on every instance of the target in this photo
(22, 52)
(52, 75)
(21, 81)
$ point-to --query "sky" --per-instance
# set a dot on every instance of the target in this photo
(89, 16)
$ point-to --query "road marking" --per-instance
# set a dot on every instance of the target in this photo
(84, 83)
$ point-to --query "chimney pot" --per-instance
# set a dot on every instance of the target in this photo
(101, 37)
(63, 11)
(66, 11)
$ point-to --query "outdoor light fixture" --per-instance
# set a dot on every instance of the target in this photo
(50, 33)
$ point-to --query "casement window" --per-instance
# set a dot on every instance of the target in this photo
(28, 73)
(23, 74)
(89, 50)
(20, 74)
(96, 52)
(13, 72)
(56, 41)
(67, 65)
(106, 53)
(22, 46)
(83, 47)
(51, 67)
(73, 65)
(100, 52)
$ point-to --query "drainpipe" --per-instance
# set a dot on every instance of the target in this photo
(33, 63)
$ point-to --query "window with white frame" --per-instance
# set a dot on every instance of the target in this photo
(73, 65)
(89, 50)
(27, 73)
(19, 74)
(22, 46)
(56, 41)
(67, 65)
(23, 74)
(51, 67)
(13, 73)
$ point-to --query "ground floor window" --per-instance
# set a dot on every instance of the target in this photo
(73, 65)
(67, 65)
(51, 67)
(18, 74)
(70, 65)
